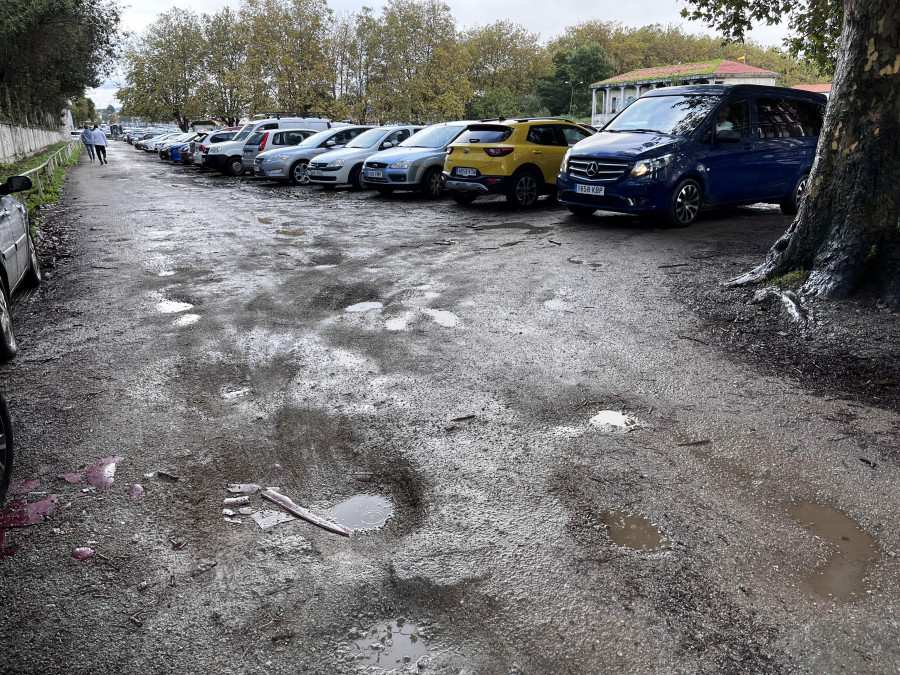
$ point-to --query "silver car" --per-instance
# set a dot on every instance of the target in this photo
(270, 140)
(415, 164)
(289, 164)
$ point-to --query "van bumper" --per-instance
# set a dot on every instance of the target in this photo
(625, 196)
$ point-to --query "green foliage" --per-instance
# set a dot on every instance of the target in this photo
(566, 91)
(872, 254)
(83, 111)
(794, 279)
(50, 51)
(52, 186)
(815, 25)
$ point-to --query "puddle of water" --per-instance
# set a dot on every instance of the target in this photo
(363, 306)
(363, 512)
(431, 295)
(291, 233)
(516, 226)
(323, 267)
(512, 243)
(165, 273)
(557, 305)
(391, 644)
(842, 576)
(172, 307)
(443, 318)
(613, 420)
(398, 323)
(228, 392)
(187, 319)
(634, 532)
(264, 221)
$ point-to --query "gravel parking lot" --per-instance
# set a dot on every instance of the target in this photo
(558, 462)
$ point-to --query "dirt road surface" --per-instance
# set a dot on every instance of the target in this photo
(577, 474)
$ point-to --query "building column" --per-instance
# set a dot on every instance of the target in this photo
(622, 97)
(637, 92)
(593, 103)
(606, 101)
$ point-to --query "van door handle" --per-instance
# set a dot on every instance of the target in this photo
(748, 146)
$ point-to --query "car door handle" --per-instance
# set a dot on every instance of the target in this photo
(537, 152)
(748, 146)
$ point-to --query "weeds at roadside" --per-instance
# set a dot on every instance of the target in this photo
(792, 280)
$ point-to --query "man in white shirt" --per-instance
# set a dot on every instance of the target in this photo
(100, 144)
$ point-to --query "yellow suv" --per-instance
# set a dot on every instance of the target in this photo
(517, 158)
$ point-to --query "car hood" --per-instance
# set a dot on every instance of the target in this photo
(346, 153)
(410, 154)
(625, 144)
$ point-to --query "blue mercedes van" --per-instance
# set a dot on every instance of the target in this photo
(677, 150)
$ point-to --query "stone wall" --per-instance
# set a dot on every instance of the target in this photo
(19, 142)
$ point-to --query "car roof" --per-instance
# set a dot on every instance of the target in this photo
(748, 89)
(520, 120)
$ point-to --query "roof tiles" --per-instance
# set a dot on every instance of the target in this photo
(714, 67)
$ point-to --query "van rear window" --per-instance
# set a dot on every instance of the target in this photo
(485, 133)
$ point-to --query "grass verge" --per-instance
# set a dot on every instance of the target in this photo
(53, 186)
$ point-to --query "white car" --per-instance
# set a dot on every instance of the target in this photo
(344, 166)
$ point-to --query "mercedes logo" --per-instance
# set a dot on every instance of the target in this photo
(592, 169)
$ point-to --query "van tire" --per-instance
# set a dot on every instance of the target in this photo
(684, 204)
(524, 189)
(235, 166)
(791, 205)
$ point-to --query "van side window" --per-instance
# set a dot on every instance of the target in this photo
(734, 117)
(785, 118)
(273, 125)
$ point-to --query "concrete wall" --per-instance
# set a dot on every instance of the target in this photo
(19, 142)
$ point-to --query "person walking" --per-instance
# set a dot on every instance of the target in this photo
(100, 144)
(87, 137)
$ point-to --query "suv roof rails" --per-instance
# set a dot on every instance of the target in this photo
(527, 119)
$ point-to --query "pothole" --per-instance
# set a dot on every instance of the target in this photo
(613, 420)
(390, 644)
(842, 576)
(363, 512)
(363, 307)
(634, 532)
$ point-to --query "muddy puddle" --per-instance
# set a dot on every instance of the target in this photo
(579, 261)
(172, 307)
(853, 551)
(613, 420)
(264, 221)
(633, 532)
(390, 645)
(528, 229)
(290, 233)
(363, 512)
(363, 307)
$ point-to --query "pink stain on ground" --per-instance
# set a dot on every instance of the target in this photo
(8, 552)
(101, 474)
(83, 553)
(134, 492)
(19, 513)
(70, 477)
(23, 486)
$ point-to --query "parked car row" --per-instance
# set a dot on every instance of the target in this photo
(671, 153)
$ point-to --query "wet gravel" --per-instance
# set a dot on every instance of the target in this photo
(586, 455)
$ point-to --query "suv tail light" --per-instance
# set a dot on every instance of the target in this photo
(498, 152)
(262, 143)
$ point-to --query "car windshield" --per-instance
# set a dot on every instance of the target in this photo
(314, 140)
(244, 132)
(674, 115)
(433, 137)
(367, 139)
(255, 138)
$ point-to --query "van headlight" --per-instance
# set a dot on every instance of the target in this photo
(647, 167)
(403, 164)
(565, 163)
(335, 164)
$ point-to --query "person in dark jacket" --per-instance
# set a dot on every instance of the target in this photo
(87, 137)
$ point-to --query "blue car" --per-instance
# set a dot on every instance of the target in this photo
(678, 150)
(179, 151)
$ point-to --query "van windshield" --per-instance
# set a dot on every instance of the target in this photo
(243, 133)
(672, 115)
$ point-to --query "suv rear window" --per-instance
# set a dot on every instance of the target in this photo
(485, 133)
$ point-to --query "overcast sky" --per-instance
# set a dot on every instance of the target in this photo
(548, 18)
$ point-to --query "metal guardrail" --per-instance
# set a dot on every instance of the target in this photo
(50, 166)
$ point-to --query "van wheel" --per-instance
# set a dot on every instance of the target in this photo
(462, 197)
(524, 190)
(235, 166)
(298, 174)
(791, 205)
(581, 210)
(432, 184)
(684, 204)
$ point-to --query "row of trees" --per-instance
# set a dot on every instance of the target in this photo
(50, 51)
(409, 62)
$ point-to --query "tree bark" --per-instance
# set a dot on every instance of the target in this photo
(847, 231)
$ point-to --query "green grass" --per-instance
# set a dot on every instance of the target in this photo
(52, 188)
(794, 279)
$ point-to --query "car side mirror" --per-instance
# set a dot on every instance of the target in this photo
(728, 136)
(15, 184)
(329, 142)
(386, 145)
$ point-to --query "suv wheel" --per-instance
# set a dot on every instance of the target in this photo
(235, 166)
(298, 174)
(684, 205)
(432, 184)
(524, 190)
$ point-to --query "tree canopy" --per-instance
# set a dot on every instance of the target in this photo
(51, 51)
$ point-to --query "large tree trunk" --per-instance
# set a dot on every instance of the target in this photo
(847, 231)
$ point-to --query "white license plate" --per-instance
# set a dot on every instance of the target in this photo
(598, 190)
(466, 171)
(315, 172)
(374, 174)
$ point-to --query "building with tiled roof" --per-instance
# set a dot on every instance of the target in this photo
(817, 88)
(618, 92)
